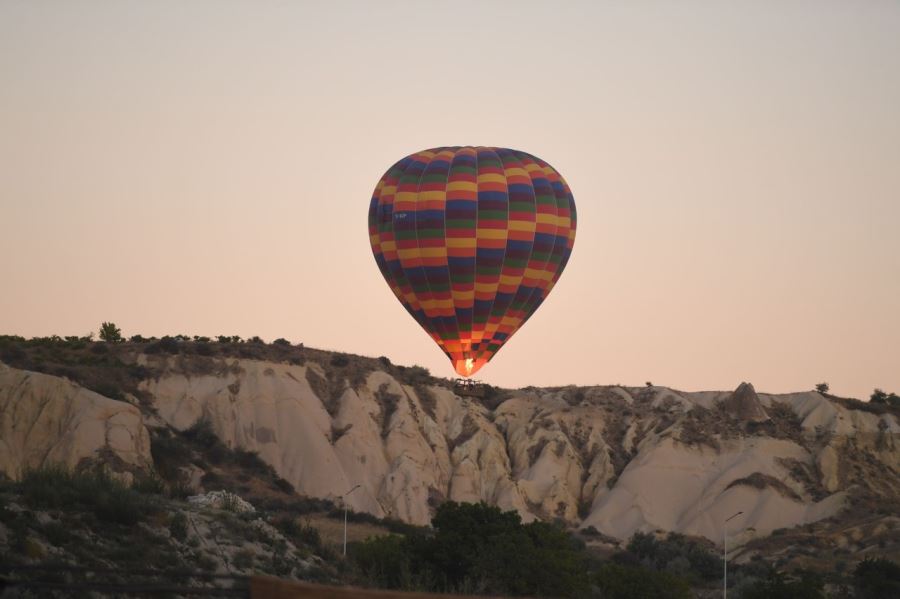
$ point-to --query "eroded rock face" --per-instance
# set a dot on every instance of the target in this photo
(618, 459)
(50, 420)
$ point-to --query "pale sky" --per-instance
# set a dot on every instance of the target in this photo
(206, 168)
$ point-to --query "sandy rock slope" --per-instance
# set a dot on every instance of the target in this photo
(616, 459)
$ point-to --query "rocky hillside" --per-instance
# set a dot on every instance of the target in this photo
(609, 460)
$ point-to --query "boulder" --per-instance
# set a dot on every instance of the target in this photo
(744, 405)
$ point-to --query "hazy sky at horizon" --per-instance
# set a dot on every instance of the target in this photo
(206, 168)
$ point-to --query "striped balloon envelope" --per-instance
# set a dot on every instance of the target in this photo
(471, 240)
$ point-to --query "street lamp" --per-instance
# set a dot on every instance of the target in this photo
(344, 501)
(725, 549)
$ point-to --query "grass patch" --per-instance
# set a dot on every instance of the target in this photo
(110, 500)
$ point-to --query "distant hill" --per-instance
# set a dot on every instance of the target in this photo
(817, 477)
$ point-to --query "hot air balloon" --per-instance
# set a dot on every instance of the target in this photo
(471, 240)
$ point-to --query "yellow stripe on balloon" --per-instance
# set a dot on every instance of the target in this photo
(491, 178)
(522, 225)
(439, 252)
(430, 196)
(492, 233)
(462, 186)
(408, 254)
(461, 242)
(405, 196)
(516, 171)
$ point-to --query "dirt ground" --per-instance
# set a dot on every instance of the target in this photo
(332, 529)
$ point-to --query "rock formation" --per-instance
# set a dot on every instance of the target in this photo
(49, 420)
(745, 405)
(616, 459)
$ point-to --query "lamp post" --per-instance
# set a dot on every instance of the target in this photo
(725, 549)
(344, 501)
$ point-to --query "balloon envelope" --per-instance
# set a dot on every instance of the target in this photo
(471, 240)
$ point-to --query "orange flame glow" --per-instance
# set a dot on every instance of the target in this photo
(466, 367)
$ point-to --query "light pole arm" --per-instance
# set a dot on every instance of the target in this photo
(344, 501)
(725, 553)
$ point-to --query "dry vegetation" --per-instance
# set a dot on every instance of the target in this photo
(870, 523)
(758, 480)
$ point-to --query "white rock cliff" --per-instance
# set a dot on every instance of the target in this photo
(617, 459)
(49, 420)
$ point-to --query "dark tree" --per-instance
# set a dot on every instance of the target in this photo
(619, 581)
(777, 586)
(877, 579)
(878, 396)
(477, 548)
(110, 333)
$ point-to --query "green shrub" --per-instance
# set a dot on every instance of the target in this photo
(386, 562)
(284, 486)
(99, 348)
(339, 360)
(178, 526)
(306, 534)
(207, 562)
(56, 533)
(110, 500)
(13, 355)
(671, 553)
(251, 461)
(210, 479)
(166, 345)
(106, 389)
(201, 432)
(877, 579)
(33, 550)
(243, 559)
(778, 586)
(477, 548)
(169, 453)
(417, 375)
(618, 581)
(110, 333)
(149, 484)
(880, 397)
